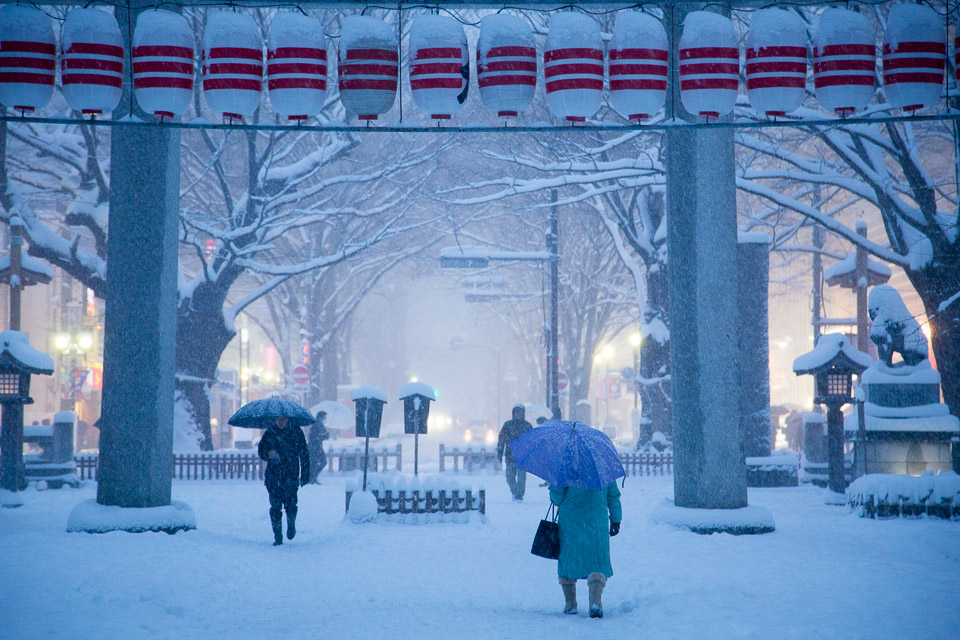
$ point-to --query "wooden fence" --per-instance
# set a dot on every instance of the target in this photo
(441, 501)
(473, 459)
(248, 466)
(469, 459)
(647, 464)
(350, 459)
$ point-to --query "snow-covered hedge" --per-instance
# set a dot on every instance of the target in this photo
(880, 495)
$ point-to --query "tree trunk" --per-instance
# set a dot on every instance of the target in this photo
(202, 336)
(654, 381)
(935, 283)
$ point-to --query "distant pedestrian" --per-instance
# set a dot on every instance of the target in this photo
(318, 433)
(585, 534)
(288, 468)
(511, 430)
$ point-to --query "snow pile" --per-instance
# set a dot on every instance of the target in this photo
(417, 388)
(774, 462)
(370, 391)
(880, 495)
(843, 26)
(363, 508)
(91, 517)
(748, 520)
(10, 499)
(18, 346)
(891, 318)
(826, 349)
(359, 32)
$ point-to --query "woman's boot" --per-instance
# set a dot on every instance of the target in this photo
(596, 582)
(569, 595)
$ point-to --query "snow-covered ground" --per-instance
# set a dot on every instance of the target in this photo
(824, 573)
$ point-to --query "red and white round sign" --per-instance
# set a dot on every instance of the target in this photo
(300, 375)
(562, 381)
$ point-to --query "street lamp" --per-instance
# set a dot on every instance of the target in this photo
(72, 347)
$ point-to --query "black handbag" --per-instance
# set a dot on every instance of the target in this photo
(546, 543)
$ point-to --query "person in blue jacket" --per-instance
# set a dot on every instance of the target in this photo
(588, 518)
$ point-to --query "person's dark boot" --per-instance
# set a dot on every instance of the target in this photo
(277, 534)
(291, 525)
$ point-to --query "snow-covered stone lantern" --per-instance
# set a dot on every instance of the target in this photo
(844, 61)
(296, 66)
(232, 68)
(18, 361)
(91, 64)
(833, 362)
(776, 61)
(370, 401)
(416, 397)
(28, 58)
(162, 59)
(914, 57)
(709, 58)
(506, 64)
(639, 56)
(439, 65)
(368, 66)
(573, 66)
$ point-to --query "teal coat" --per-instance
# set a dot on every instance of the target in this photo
(585, 529)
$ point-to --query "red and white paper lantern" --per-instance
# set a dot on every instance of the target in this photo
(232, 64)
(709, 65)
(914, 57)
(439, 65)
(506, 64)
(296, 66)
(844, 61)
(28, 58)
(638, 66)
(91, 64)
(573, 66)
(776, 62)
(162, 58)
(368, 66)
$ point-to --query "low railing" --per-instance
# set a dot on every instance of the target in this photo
(470, 459)
(215, 465)
(647, 464)
(350, 459)
(442, 501)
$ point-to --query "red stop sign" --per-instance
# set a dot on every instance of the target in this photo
(300, 375)
(562, 381)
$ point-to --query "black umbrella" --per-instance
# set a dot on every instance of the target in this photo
(261, 414)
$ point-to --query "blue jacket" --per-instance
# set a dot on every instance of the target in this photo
(585, 529)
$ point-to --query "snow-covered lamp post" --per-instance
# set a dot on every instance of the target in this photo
(833, 362)
(370, 401)
(18, 361)
(416, 397)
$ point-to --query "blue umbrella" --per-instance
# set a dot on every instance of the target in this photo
(568, 454)
(261, 414)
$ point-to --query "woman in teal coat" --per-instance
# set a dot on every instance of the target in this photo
(585, 540)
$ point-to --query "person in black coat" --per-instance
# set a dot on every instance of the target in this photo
(318, 459)
(288, 468)
(511, 430)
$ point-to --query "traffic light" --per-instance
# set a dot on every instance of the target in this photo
(304, 351)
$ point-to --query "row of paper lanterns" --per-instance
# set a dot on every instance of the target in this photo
(232, 63)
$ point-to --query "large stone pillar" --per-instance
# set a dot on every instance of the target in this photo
(709, 469)
(136, 425)
(753, 276)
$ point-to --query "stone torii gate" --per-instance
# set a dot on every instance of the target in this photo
(137, 413)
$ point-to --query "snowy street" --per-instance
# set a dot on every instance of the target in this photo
(824, 573)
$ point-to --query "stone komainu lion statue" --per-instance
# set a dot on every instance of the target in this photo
(894, 329)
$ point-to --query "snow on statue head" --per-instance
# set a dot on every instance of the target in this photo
(894, 329)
